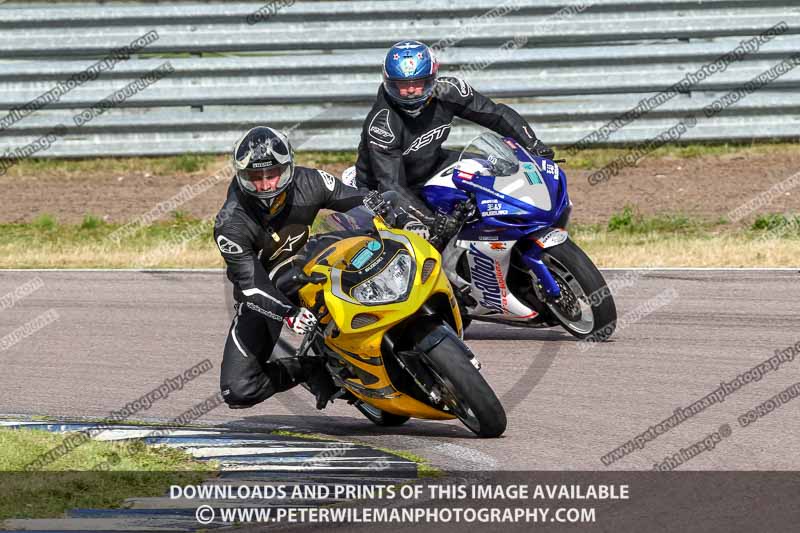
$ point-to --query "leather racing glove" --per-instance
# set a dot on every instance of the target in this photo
(302, 322)
(540, 149)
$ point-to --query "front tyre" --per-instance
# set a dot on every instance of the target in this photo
(462, 389)
(586, 307)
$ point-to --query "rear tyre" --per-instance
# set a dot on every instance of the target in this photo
(586, 307)
(462, 388)
(380, 417)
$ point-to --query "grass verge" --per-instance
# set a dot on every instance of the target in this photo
(155, 166)
(597, 158)
(96, 474)
(585, 158)
(632, 240)
(627, 240)
(424, 468)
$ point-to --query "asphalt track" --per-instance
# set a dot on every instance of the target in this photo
(120, 334)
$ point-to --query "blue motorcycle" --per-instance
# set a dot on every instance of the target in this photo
(512, 262)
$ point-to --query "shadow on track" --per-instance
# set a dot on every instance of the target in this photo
(346, 426)
(484, 331)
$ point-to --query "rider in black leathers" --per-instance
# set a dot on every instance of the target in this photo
(402, 136)
(264, 222)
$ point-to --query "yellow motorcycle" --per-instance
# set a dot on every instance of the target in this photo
(390, 328)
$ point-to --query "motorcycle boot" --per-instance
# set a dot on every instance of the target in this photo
(312, 371)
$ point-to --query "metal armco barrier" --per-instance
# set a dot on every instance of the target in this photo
(314, 68)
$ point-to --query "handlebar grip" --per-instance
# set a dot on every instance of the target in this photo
(316, 278)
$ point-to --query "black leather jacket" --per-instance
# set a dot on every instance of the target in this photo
(399, 152)
(254, 245)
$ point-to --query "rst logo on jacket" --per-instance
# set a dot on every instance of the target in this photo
(463, 88)
(426, 138)
(379, 128)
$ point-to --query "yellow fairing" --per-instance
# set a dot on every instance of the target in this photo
(360, 328)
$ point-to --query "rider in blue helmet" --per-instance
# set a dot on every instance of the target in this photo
(402, 136)
(409, 76)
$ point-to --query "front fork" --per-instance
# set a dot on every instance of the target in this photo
(531, 250)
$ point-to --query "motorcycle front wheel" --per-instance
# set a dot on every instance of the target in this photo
(585, 308)
(462, 388)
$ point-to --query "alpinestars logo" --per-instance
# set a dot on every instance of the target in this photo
(330, 181)
(287, 245)
(227, 246)
(379, 128)
(488, 278)
(426, 138)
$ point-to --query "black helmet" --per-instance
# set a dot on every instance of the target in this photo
(264, 153)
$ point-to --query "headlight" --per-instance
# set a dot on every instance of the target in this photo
(389, 285)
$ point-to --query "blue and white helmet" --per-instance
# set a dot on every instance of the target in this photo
(409, 75)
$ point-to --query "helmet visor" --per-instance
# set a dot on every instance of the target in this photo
(411, 91)
(265, 182)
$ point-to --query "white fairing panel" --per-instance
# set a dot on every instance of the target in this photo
(488, 264)
(527, 184)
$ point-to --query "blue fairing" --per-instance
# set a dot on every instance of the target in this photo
(503, 217)
(443, 199)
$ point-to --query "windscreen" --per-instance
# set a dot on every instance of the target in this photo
(492, 148)
(357, 218)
